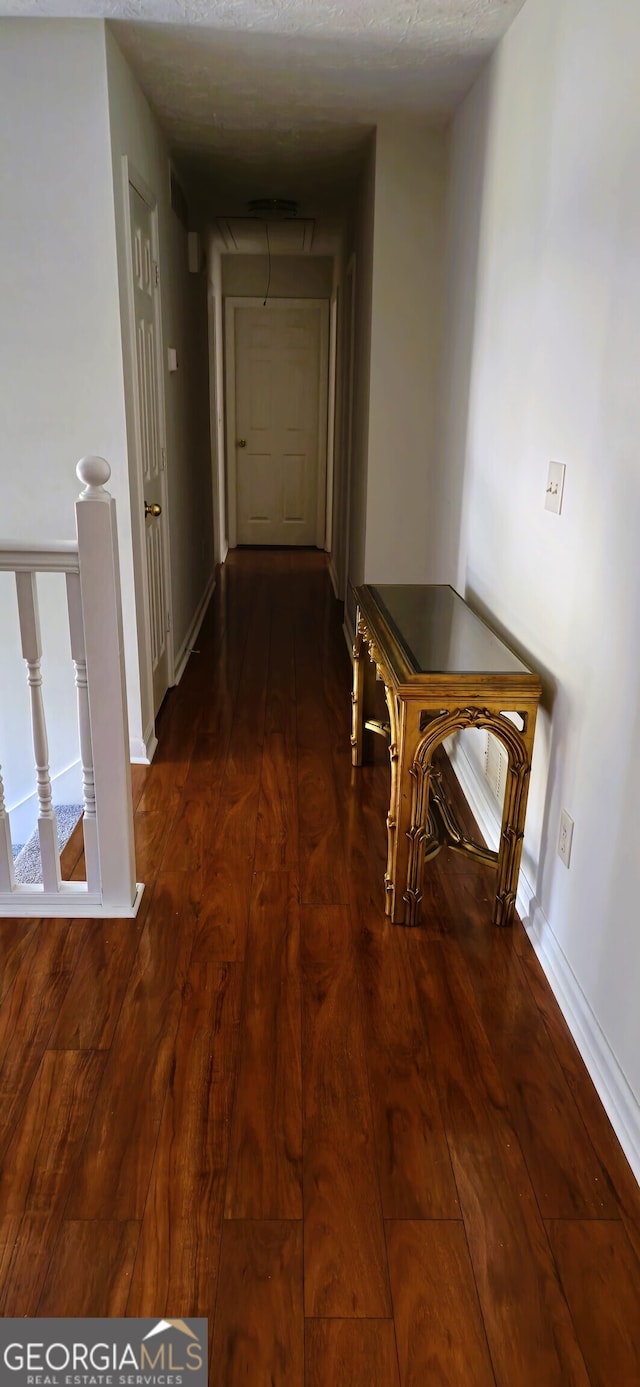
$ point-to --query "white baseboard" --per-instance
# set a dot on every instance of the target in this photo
(67, 789)
(477, 794)
(349, 638)
(185, 649)
(72, 901)
(334, 578)
(616, 1095)
(142, 749)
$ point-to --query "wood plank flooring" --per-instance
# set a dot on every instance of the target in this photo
(371, 1157)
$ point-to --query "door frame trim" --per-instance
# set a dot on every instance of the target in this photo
(323, 502)
(131, 176)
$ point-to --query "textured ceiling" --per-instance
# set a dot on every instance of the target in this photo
(277, 97)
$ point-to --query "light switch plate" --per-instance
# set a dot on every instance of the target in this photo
(555, 487)
(172, 359)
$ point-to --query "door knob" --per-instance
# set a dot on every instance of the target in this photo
(151, 508)
(242, 442)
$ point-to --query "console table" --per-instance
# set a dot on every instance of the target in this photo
(443, 670)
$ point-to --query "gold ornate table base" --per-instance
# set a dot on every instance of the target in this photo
(424, 709)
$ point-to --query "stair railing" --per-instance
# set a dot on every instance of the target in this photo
(92, 573)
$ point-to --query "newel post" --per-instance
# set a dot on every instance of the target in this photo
(107, 698)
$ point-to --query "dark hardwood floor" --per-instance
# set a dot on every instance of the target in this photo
(372, 1157)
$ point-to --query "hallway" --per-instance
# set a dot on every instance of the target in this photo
(371, 1157)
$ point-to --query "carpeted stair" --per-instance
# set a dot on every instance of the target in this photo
(27, 865)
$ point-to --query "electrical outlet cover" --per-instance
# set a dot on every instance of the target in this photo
(565, 837)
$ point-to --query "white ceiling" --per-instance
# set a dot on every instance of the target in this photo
(277, 97)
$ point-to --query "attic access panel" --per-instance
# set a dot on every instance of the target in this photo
(252, 236)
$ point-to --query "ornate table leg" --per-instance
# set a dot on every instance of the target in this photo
(405, 723)
(362, 697)
(392, 816)
(360, 656)
(513, 817)
(417, 765)
(418, 837)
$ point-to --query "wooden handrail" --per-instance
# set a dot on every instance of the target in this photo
(56, 557)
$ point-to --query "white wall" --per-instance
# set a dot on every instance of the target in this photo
(60, 358)
(406, 322)
(62, 363)
(216, 394)
(340, 308)
(398, 234)
(135, 133)
(541, 363)
(360, 244)
(292, 276)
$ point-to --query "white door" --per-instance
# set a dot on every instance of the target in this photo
(277, 391)
(150, 436)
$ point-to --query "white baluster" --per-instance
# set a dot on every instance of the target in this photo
(104, 646)
(78, 655)
(7, 878)
(32, 653)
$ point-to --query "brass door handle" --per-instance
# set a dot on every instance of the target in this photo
(151, 508)
(241, 442)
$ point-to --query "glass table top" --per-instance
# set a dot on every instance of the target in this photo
(439, 633)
